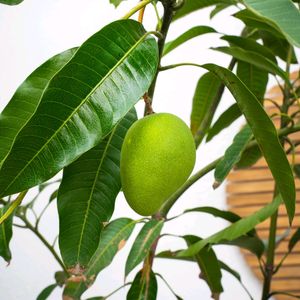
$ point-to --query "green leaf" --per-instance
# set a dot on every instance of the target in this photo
(188, 35)
(255, 59)
(143, 287)
(209, 266)
(250, 45)
(249, 157)
(235, 230)
(219, 7)
(254, 78)
(294, 239)
(116, 3)
(279, 46)
(11, 2)
(87, 195)
(205, 94)
(107, 75)
(5, 234)
(26, 99)
(281, 14)
(113, 238)
(142, 244)
(226, 119)
(190, 6)
(46, 292)
(296, 169)
(265, 134)
(232, 155)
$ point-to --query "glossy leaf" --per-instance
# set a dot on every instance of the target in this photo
(87, 195)
(256, 59)
(250, 45)
(190, 6)
(265, 134)
(112, 240)
(205, 94)
(209, 266)
(226, 119)
(5, 234)
(232, 155)
(235, 230)
(46, 292)
(188, 35)
(294, 239)
(254, 78)
(142, 244)
(281, 14)
(83, 102)
(219, 7)
(249, 157)
(143, 287)
(11, 2)
(26, 99)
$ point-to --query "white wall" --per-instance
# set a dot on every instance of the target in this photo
(34, 31)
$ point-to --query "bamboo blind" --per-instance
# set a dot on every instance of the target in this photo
(251, 188)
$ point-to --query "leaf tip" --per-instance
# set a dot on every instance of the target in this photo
(216, 184)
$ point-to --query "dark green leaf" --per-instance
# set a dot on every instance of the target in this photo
(209, 266)
(294, 239)
(113, 238)
(249, 157)
(188, 35)
(235, 230)
(254, 78)
(232, 155)
(255, 59)
(53, 195)
(5, 234)
(143, 287)
(60, 278)
(26, 99)
(205, 93)
(142, 244)
(219, 7)
(83, 102)
(87, 194)
(225, 120)
(46, 292)
(297, 170)
(190, 6)
(281, 14)
(11, 2)
(249, 45)
(265, 134)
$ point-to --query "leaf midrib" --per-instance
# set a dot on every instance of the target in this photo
(126, 55)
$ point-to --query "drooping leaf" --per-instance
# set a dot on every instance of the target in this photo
(279, 46)
(11, 2)
(190, 6)
(209, 266)
(294, 239)
(113, 238)
(235, 230)
(249, 157)
(5, 234)
(142, 244)
(254, 78)
(219, 7)
(255, 59)
(188, 35)
(46, 292)
(105, 78)
(250, 45)
(226, 119)
(87, 194)
(205, 93)
(144, 287)
(232, 155)
(116, 3)
(26, 99)
(265, 134)
(281, 14)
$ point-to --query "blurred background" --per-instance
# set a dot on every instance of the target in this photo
(34, 31)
